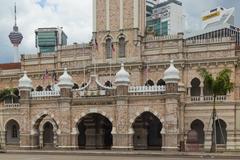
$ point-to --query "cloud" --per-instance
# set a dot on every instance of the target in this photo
(75, 16)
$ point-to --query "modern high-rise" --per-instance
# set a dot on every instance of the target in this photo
(149, 7)
(167, 18)
(47, 39)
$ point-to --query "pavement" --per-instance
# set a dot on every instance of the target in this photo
(231, 155)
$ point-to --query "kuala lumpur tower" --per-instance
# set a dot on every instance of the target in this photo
(15, 36)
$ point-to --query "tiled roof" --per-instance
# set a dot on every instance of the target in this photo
(7, 66)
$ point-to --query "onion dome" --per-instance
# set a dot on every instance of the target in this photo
(122, 76)
(171, 75)
(25, 82)
(65, 80)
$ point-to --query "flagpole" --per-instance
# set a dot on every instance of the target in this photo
(84, 72)
(110, 70)
(147, 71)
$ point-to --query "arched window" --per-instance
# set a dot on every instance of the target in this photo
(195, 90)
(108, 48)
(39, 88)
(14, 131)
(48, 88)
(149, 83)
(75, 86)
(108, 84)
(161, 83)
(83, 85)
(121, 47)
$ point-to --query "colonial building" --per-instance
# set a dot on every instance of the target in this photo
(98, 103)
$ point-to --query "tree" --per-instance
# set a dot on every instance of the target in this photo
(219, 85)
(8, 92)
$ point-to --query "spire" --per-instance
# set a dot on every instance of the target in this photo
(15, 13)
(15, 27)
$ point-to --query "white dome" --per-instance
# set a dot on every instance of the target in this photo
(122, 76)
(25, 82)
(171, 75)
(65, 80)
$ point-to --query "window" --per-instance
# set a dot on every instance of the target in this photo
(149, 83)
(108, 84)
(108, 48)
(14, 131)
(39, 88)
(164, 27)
(121, 47)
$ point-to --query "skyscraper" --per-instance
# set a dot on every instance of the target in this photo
(167, 18)
(47, 39)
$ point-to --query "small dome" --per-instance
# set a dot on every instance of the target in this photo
(122, 76)
(25, 82)
(171, 75)
(65, 80)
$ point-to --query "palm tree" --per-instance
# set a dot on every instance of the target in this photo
(8, 92)
(219, 85)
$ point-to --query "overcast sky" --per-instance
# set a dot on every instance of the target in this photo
(75, 16)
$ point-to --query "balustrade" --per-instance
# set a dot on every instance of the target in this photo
(146, 89)
(208, 98)
(38, 94)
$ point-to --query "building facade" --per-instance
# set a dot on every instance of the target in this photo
(98, 103)
(47, 39)
(167, 18)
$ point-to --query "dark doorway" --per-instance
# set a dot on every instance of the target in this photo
(198, 126)
(48, 135)
(221, 132)
(95, 132)
(147, 128)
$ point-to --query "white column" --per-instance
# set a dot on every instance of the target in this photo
(121, 14)
(136, 14)
(107, 16)
(94, 15)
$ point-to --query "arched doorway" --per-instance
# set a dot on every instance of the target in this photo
(94, 132)
(196, 136)
(195, 90)
(221, 132)
(198, 126)
(48, 135)
(12, 133)
(147, 128)
(44, 132)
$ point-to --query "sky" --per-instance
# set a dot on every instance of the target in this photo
(75, 16)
